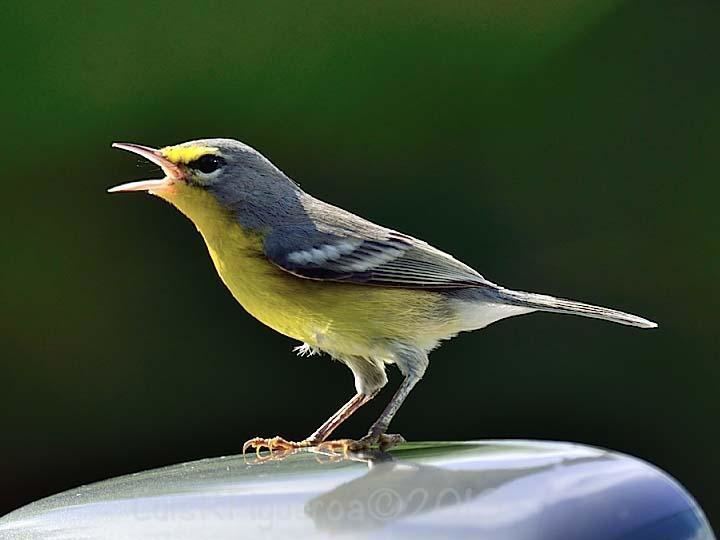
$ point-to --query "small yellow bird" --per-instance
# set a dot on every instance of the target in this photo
(366, 295)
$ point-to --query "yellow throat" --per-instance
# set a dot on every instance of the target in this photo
(346, 318)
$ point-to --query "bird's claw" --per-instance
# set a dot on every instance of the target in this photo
(382, 441)
(279, 448)
(274, 445)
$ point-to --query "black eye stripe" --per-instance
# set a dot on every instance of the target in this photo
(207, 163)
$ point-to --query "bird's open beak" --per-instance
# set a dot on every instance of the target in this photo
(172, 171)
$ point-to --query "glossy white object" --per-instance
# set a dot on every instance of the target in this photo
(509, 490)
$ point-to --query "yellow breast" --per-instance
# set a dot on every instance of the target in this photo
(346, 318)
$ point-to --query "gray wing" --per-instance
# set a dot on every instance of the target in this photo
(336, 245)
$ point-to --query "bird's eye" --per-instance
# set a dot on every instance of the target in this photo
(207, 163)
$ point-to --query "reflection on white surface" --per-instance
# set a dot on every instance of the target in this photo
(512, 490)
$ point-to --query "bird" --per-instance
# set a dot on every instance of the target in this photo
(364, 294)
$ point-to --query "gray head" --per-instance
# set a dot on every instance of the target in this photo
(236, 175)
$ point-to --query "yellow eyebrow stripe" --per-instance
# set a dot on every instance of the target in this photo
(182, 155)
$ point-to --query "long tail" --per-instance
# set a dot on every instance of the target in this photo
(544, 302)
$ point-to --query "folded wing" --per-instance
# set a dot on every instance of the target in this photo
(351, 249)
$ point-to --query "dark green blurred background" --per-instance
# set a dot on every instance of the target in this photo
(560, 146)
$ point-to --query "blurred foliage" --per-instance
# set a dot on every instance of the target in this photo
(560, 146)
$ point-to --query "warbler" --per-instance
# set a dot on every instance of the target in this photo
(364, 294)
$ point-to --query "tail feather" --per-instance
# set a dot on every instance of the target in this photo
(544, 302)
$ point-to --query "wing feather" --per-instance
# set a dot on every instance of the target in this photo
(339, 246)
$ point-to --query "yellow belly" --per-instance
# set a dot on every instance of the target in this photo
(335, 317)
(328, 315)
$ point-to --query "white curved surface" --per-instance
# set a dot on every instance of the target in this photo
(510, 490)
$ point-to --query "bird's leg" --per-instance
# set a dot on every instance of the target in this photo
(378, 429)
(413, 363)
(318, 436)
(342, 414)
(377, 435)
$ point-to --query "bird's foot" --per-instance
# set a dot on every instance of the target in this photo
(276, 445)
(382, 441)
(279, 447)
